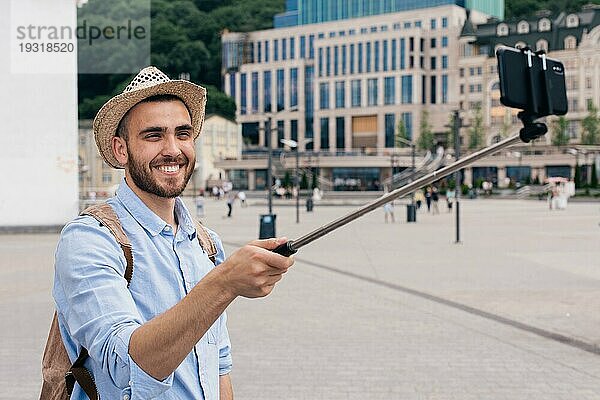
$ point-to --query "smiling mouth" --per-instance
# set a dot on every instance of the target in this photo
(169, 169)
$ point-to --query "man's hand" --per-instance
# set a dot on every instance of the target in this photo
(253, 270)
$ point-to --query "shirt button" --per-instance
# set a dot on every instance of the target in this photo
(126, 397)
(167, 228)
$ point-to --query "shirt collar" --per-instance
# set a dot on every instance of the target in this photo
(147, 218)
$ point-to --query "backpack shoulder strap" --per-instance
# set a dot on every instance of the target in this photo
(206, 241)
(105, 214)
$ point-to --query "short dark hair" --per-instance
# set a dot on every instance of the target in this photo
(159, 98)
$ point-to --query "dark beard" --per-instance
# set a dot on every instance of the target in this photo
(143, 179)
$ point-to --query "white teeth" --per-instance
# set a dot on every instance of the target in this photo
(169, 168)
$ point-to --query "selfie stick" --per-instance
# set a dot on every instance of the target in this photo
(292, 246)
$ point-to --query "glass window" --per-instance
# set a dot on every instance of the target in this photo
(407, 89)
(321, 61)
(254, 92)
(267, 91)
(389, 93)
(394, 54)
(360, 58)
(259, 52)
(276, 50)
(232, 86)
(433, 90)
(407, 119)
(323, 95)
(376, 55)
(444, 62)
(280, 90)
(311, 46)
(344, 59)
(293, 87)
(444, 22)
(302, 46)
(356, 92)
(294, 130)
(336, 60)
(444, 41)
(351, 58)
(284, 49)
(444, 89)
(390, 122)
(266, 51)
(433, 43)
(340, 94)
(243, 94)
(433, 23)
(368, 56)
(385, 55)
(418, 23)
(372, 92)
(328, 61)
(280, 134)
(324, 133)
(402, 53)
(339, 133)
(433, 62)
(292, 48)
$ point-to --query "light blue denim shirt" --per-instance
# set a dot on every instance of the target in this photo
(98, 311)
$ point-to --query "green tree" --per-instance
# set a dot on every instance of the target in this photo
(315, 179)
(591, 126)
(476, 131)
(426, 138)
(401, 134)
(560, 137)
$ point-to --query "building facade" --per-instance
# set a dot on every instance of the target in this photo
(573, 39)
(339, 79)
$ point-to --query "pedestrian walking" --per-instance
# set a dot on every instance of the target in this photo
(230, 200)
(419, 198)
(199, 206)
(428, 198)
(388, 209)
(435, 197)
(242, 196)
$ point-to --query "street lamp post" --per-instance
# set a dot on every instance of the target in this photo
(294, 145)
(457, 183)
(268, 132)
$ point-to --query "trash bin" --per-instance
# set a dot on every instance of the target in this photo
(309, 204)
(267, 226)
(411, 213)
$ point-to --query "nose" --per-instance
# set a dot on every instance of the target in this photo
(170, 147)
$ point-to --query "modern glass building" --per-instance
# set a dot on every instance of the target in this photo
(303, 12)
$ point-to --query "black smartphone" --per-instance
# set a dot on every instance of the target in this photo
(532, 82)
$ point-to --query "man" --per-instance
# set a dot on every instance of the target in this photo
(165, 335)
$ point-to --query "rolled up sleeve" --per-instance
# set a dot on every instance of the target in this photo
(98, 310)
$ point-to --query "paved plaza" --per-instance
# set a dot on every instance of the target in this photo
(382, 311)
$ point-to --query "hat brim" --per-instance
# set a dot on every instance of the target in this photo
(108, 118)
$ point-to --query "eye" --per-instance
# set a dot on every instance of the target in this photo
(152, 136)
(184, 134)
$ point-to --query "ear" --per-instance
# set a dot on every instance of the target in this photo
(119, 148)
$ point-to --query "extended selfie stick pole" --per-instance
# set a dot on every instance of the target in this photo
(293, 246)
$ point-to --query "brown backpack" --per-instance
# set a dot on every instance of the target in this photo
(59, 375)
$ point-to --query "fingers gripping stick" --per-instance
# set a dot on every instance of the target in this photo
(286, 249)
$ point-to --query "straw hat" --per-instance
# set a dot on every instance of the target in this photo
(149, 82)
